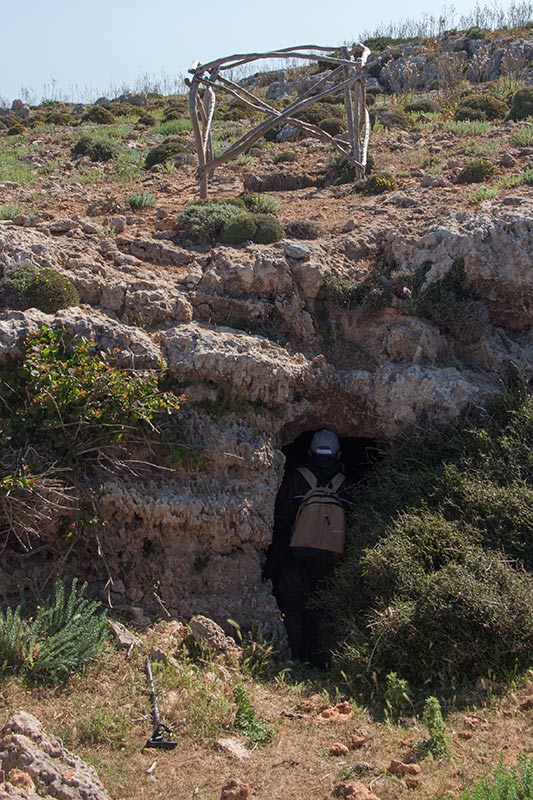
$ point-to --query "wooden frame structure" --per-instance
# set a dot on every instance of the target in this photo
(349, 77)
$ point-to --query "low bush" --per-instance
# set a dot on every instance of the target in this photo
(44, 288)
(422, 106)
(259, 203)
(66, 631)
(481, 106)
(333, 126)
(522, 104)
(508, 783)
(59, 118)
(394, 117)
(142, 200)
(380, 182)
(286, 156)
(451, 305)
(16, 130)
(203, 220)
(98, 115)
(98, 150)
(433, 585)
(257, 731)
(476, 171)
(258, 228)
(168, 149)
(147, 121)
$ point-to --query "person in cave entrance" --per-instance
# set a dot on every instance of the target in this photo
(297, 573)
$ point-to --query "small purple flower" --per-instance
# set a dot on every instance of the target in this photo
(406, 291)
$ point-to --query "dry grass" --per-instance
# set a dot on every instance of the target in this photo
(104, 716)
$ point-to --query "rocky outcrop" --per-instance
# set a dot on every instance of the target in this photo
(36, 764)
(263, 345)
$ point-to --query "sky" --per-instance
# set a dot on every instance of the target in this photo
(53, 48)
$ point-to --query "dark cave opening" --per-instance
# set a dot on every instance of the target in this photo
(358, 454)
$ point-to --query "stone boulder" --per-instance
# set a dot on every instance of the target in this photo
(36, 764)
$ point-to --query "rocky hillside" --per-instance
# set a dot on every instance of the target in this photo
(386, 306)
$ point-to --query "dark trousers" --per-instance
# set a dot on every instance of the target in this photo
(307, 628)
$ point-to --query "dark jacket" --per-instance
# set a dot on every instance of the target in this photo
(291, 493)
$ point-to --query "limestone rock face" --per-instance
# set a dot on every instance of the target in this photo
(496, 253)
(264, 342)
(37, 765)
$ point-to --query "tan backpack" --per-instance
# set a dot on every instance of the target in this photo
(319, 522)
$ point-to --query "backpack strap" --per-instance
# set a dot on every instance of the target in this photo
(337, 481)
(308, 476)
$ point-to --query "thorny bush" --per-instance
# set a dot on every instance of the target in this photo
(436, 583)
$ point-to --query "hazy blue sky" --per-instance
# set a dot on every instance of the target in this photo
(54, 47)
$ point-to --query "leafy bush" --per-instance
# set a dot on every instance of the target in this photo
(203, 220)
(380, 182)
(487, 105)
(439, 740)
(396, 695)
(96, 150)
(333, 126)
(286, 156)
(168, 149)
(257, 731)
(394, 117)
(67, 397)
(99, 116)
(260, 203)
(430, 586)
(476, 171)
(258, 228)
(514, 783)
(423, 106)
(466, 114)
(16, 130)
(475, 32)
(141, 200)
(147, 120)
(45, 289)
(451, 305)
(522, 104)
(59, 118)
(67, 631)
(10, 210)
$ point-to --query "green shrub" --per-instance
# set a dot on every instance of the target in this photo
(475, 32)
(481, 106)
(168, 149)
(203, 220)
(98, 115)
(75, 400)
(452, 306)
(286, 156)
(147, 120)
(333, 126)
(67, 631)
(260, 203)
(514, 783)
(476, 171)
(257, 731)
(141, 200)
(10, 210)
(523, 136)
(439, 741)
(422, 106)
(45, 289)
(396, 696)
(394, 117)
(59, 118)
(16, 130)
(380, 182)
(239, 229)
(97, 151)
(522, 104)
(258, 228)
(430, 586)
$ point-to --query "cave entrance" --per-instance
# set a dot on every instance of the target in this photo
(359, 454)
